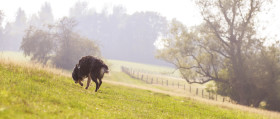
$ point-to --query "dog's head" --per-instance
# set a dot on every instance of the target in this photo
(104, 69)
(75, 74)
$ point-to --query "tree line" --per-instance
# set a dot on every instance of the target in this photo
(114, 30)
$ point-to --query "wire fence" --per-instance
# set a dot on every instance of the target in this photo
(191, 89)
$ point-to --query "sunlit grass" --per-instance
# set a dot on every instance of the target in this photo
(38, 93)
(30, 90)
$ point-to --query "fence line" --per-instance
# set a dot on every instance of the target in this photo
(148, 79)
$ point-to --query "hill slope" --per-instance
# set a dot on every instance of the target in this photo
(39, 93)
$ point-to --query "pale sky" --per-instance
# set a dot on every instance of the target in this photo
(183, 10)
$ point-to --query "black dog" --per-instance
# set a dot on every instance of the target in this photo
(90, 67)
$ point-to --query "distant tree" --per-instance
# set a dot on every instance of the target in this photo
(1, 17)
(34, 21)
(1, 30)
(139, 33)
(119, 31)
(59, 44)
(38, 44)
(43, 18)
(14, 31)
(73, 46)
(225, 49)
(79, 10)
(45, 14)
(1, 20)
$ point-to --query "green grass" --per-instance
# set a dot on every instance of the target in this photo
(34, 93)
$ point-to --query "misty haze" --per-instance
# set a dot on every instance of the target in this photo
(140, 59)
(120, 35)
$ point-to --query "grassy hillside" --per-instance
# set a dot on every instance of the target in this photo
(30, 92)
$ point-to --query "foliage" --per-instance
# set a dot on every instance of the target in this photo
(34, 93)
(13, 32)
(211, 88)
(226, 49)
(1, 28)
(59, 44)
(1, 17)
(39, 44)
(116, 30)
(120, 31)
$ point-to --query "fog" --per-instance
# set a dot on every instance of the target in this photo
(120, 35)
(236, 46)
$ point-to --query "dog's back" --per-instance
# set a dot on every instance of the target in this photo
(86, 64)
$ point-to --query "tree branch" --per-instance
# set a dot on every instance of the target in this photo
(250, 15)
(216, 32)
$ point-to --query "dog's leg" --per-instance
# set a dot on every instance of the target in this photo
(80, 82)
(96, 82)
(88, 81)
(100, 82)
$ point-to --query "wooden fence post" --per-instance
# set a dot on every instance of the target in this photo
(152, 80)
(209, 95)
(142, 77)
(132, 72)
(190, 89)
(162, 82)
(202, 93)
(184, 86)
(178, 85)
(157, 80)
(196, 91)
(167, 82)
(216, 97)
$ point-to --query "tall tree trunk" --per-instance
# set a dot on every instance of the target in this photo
(239, 82)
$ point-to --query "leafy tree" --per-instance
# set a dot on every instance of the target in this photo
(59, 44)
(73, 46)
(38, 44)
(43, 18)
(14, 31)
(1, 30)
(225, 49)
(46, 15)
(120, 31)
(1, 17)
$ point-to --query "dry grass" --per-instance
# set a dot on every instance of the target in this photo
(12, 58)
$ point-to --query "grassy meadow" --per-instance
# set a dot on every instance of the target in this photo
(33, 91)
